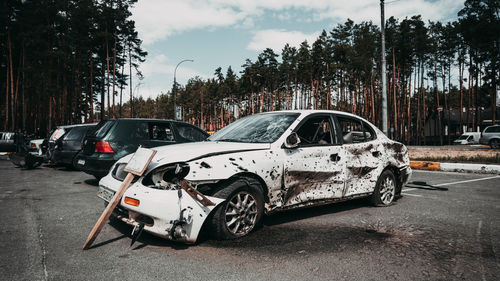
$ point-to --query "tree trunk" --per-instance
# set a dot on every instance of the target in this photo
(91, 98)
(130, 86)
(395, 125)
(438, 110)
(114, 77)
(11, 71)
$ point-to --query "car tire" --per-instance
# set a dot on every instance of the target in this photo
(241, 212)
(385, 189)
(495, 143)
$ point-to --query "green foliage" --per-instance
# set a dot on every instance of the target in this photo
(64, 58)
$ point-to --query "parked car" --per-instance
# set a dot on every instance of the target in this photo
(67, 146)
(55, 134)
(258, 165)
(468, 138)
(35, 146)
(7, 142)
(113, 139)
(22, 156)
(491, 136)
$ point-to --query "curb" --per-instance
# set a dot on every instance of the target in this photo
(455, 167)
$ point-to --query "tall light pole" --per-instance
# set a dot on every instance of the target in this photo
(383, 71)
(175, 88)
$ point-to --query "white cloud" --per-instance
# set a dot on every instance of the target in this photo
(276, 39)
(159, 65)
(158, 19)
(158, 73)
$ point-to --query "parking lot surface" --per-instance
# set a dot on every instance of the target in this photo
(445, 227)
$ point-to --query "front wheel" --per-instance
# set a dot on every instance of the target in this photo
(385, 190)
(242, 210)
(495, 143)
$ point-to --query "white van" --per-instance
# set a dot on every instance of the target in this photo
(468, 138)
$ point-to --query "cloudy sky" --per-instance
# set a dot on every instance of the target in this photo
(224, 33)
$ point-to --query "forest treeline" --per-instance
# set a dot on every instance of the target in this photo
(64, 60)
(432, 67)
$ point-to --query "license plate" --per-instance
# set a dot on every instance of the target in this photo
(105, 194)
(81, 162)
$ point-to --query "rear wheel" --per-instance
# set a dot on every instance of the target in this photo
(242, 210)
(495, 143)
(385, 190)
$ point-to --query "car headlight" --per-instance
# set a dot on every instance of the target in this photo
(166, 176)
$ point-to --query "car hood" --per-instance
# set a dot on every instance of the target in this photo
(186, 152)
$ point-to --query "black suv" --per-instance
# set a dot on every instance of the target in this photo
(113, 139)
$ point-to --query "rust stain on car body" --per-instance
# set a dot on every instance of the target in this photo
(397, 149)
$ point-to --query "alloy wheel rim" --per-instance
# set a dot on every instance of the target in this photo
(387, 190)
(241, 213)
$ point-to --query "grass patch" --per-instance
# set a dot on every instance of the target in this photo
(461, 159)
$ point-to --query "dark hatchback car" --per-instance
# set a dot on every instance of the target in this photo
(49, 144)
(113, 139)
(67, 146)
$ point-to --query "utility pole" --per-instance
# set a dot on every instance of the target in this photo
(383, 72)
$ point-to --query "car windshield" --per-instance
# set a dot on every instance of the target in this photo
(463, 137)
(259, 128)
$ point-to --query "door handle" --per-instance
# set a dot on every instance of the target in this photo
(334, 157)
(376, 153)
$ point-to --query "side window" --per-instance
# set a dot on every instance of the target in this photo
(161, 131)
(140, 131)
(190, 133)
(369, 133)
(75, 134)
(317, 130)
(352, 129)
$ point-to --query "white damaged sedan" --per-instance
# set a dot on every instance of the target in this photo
(258, 165)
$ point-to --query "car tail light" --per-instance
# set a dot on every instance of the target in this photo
(132, 201)
(103, 147)
(33, 145)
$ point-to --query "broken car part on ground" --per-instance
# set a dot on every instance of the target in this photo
(259, 164)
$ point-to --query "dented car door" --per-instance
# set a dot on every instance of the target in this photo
(314, 170)
(362, 153)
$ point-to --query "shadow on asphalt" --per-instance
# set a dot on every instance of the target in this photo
(306, 213)
(425, 186)
(145, 239)
(274, 232)
(93, 182)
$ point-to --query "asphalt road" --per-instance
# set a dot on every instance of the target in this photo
(446, 231)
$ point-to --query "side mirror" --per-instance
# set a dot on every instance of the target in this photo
(292, 141)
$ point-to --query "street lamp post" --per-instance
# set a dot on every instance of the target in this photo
(175, 88)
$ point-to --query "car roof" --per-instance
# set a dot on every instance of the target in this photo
(76, 125)
(311, 111)
(148, 119)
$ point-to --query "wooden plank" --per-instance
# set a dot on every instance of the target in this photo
(107, 212)
(198, 196)
(137, 165)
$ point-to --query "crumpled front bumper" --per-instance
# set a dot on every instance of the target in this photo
(171, 214)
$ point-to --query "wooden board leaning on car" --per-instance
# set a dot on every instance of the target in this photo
(135, 167)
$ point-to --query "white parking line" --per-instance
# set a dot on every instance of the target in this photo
(409, 194)
(466, 181)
